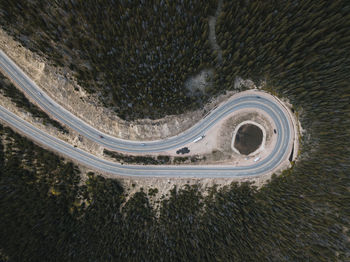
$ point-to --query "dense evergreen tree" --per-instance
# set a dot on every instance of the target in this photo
(137, 54)
(301, 49)
(16, 96)
(49, 213)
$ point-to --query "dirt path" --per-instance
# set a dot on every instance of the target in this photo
(212, 33)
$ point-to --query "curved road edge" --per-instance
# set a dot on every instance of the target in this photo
(281, 151)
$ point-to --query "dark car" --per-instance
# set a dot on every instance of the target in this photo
(101, 136)
(184, 150)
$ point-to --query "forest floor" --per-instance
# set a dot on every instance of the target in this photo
(212, 34)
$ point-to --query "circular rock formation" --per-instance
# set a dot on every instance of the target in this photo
(248, 139)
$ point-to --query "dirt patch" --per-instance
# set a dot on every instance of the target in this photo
(231, 124)
(248, 138)
(164, 185)
(212, 35)
(198, 84)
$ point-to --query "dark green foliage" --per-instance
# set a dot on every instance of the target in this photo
(16, 96)
(144, 160)
(28, 207)
(139, 230)
(298, 48)
(152, 191)
(301, 48)
(180, 221)
(150, 160)
(49, 214)
(180, 159)
(163, 159)
(137, 53)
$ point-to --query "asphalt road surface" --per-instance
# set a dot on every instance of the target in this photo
(263, 102)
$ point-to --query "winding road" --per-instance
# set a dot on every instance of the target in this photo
(259, 100)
